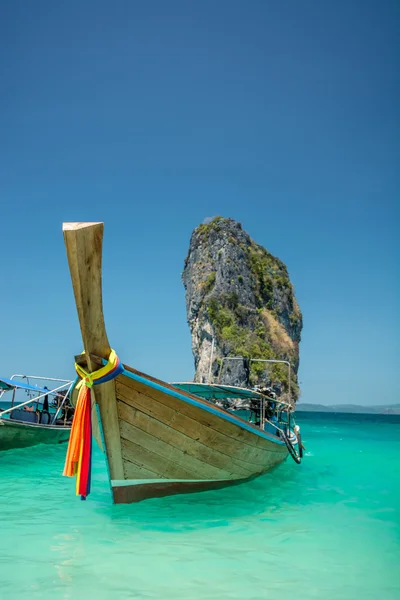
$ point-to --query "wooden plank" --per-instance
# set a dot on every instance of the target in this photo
(205, 417)
(181, 441)
(173, 417)
(133, 470)
(200, 401)
(165, 468)
(243, 454)
(218, 411)
(208, 419)
(83, 242)
(84, 249)
(196, 468)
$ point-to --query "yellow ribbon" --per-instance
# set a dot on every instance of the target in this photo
(89, 379)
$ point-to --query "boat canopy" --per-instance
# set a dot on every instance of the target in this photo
(11, 384)
(218, 392)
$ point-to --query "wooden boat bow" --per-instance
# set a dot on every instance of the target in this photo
(84, 243)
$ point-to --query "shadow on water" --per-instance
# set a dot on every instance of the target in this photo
(218, 508)
(37, 472)
(284, 489)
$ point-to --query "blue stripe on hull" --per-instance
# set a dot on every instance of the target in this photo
(208, 408)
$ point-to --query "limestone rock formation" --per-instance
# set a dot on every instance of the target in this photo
(241, 296)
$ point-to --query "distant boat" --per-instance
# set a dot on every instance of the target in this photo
(160, 438)
(43, 418)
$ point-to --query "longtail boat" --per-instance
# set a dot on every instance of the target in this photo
(159, 438)
(41, 416)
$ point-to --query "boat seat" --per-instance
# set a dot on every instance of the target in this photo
(19, 414)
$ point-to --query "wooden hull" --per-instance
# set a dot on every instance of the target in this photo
(172, 442)
(17, 434)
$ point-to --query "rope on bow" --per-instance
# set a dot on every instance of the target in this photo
(79, 454)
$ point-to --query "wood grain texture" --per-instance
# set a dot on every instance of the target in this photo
(129, 388)
(189, 445)
(177, 415)
(163, 437)
(175, 452)
(83, 242)
(228, 427)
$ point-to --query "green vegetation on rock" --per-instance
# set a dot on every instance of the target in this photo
(240, 293)
(225, 315)
(209, 283)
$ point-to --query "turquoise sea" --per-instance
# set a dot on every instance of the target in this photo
(329, 529)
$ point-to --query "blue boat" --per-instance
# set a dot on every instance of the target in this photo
(44, 416)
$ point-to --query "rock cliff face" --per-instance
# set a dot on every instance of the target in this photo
(241, 296)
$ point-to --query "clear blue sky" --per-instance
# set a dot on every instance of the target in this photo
(151, 116)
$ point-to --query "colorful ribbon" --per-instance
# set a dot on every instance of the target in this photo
(79, 454)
